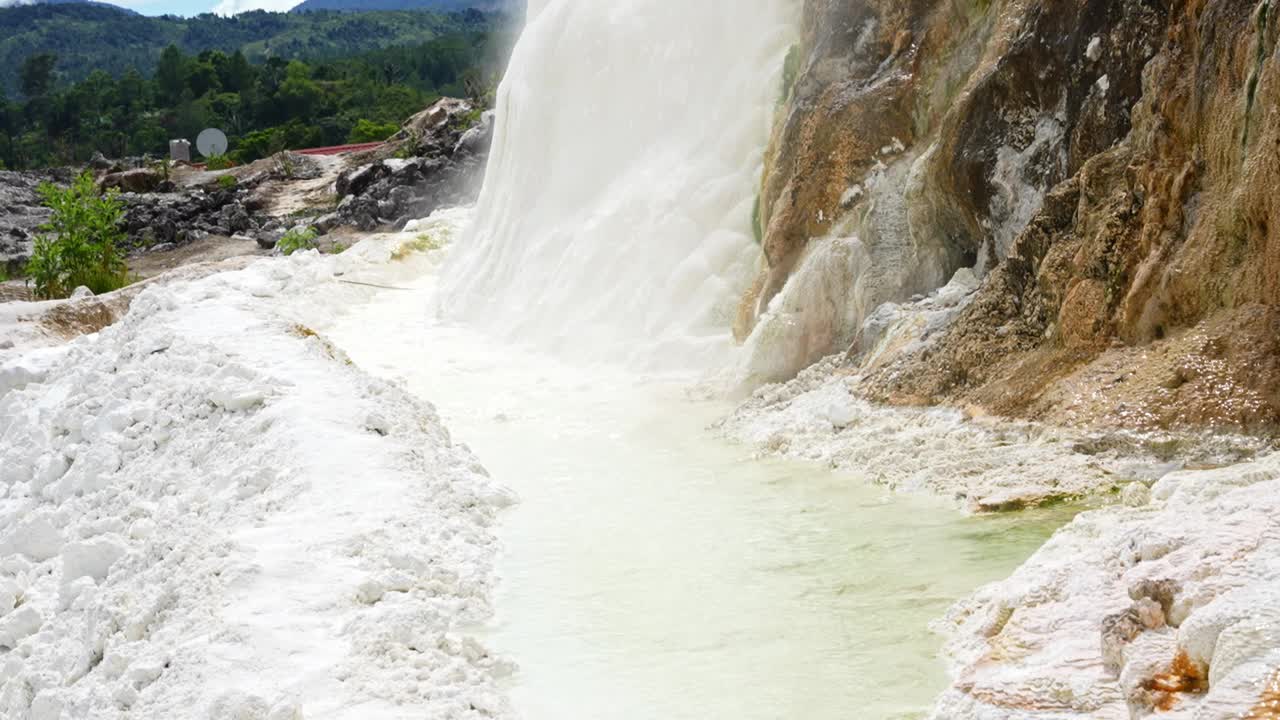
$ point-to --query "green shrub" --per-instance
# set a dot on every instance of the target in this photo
(296, 240)
(79, 243)
(218, 162)
(226, 182)
(370, 131)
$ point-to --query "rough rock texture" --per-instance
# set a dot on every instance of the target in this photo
(137, 180)
(1108, 168)
(984, 464)
(1154, 263)
(178, 526)
(446, 149)
(166, 220)
(151, 219)
(1167, 609)
(928, 131)
(21, 214)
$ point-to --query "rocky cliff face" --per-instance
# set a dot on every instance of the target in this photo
(1107, 167)
(1063, 211)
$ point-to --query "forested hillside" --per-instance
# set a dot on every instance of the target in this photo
(434, 5)
(14, 3)
(89, 37)
(264, 107)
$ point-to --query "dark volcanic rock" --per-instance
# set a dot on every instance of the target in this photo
(153, 219)
(447, 167)
(21, 213)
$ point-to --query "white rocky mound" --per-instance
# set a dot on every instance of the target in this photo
(1168, 607)
(985, 465)
(207, 512)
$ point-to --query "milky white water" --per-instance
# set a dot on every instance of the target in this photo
(615, 219)
(652, 571)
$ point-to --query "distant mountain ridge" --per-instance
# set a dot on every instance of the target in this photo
(431, 5)
(16, 3)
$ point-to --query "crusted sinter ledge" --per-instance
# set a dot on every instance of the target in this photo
(1168, 605)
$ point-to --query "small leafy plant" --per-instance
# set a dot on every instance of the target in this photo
(79, 244)
(226, 182)
(297, 239)
(218, 162)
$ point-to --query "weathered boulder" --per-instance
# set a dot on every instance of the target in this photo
(137, 180)
(448, 146)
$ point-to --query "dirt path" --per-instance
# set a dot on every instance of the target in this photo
(211, 249)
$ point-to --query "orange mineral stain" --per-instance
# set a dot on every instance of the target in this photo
(1268, 707)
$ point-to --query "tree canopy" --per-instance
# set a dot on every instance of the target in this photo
(263, 107)
(87, 37)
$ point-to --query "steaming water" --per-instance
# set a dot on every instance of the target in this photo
(615, 220)
(652, 571)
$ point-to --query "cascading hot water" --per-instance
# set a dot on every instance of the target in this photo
(615, 221)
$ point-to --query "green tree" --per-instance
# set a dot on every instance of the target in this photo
(36, 74)
(171, 74)
(237, 75)
(369, 131)
(202, 78)
(298, 94)
(148, 136)
(189, 75)
(228, 111)
(135, 91)
(79, 244)
(9, 124)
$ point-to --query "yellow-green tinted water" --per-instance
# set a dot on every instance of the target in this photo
(653, 571)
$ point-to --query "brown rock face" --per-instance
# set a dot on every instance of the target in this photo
(1110, 165)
